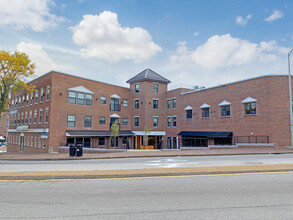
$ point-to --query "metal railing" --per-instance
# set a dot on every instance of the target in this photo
(251, 139)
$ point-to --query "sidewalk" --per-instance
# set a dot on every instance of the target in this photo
(145, 153)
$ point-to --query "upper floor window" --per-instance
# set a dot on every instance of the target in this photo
(249, 106)
(189, 113)
(46, 115)
(102, 121)
(136, 88)
(103, 100)
(23, 100)
(35, 116)
(205, 112)
(71, 121)
(174, 121)
(71, 97)
(124, 121)
(225, 108)
(32, 99)
(42, 95)
(168, 103)
(155, 87)
(48, 93)
(30, 116)
(169, 121)
(155, 103)
(155, 121)
(80, 98)
(125, 103)
(174, 102)
(19, 102)
(12, 104)
(136, 103)
(87, 121)
(36, 97)
(27, 98)
(40, 116)
(136, 121)
(114, 104)
(88, 99)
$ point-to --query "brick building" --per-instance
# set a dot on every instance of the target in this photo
(66, 109)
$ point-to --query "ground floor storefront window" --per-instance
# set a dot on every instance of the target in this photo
(194, 142)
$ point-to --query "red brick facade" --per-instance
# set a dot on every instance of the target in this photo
(270, 119)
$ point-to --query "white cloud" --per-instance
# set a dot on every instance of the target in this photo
(33, 14)
(196, 33)
(277, 14)
(243, 21)
(223, 58)
(36, 53)
(104, 38)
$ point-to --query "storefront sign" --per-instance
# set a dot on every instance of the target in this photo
(22, 128)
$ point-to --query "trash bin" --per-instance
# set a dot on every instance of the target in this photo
(72, 150)
(79, 150)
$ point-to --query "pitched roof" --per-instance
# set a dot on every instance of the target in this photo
(148, 75)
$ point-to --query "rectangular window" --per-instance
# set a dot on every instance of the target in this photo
(169, 142)
(30, 116)
(48, 93)
(80, 98)
(102, 121)
(23, 100)
(102, 141)
(44, 143)
(71, 121)
(205, 112)
(21, 119)
(40, 142)
(88, 99)
(168, 103)
(174, 121)
(155, 121)
(103, 100)
(136, 121)
(19, 102)
(155, 87)
(46, 115)
(124, 121)
(174, 143)
(36, 97)
(42, 95)
(174, 102)
(87, 121)
(114, 104)
(189, 113)
(28, 141)
(250, 108)
(136, 103)
(36, 141)
(225, 110)
(136, 88)
(40, 116)
(35, 116)
(32, 98)
(169, 121)
(125, 103)
(71, 97)
(25, 117)
(27, 98)
(155, 103)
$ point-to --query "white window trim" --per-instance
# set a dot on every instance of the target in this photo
(205, 105)
(248, 100)
(134, 121)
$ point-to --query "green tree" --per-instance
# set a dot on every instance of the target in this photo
(147, 130)
(15, 68)
(114, 133)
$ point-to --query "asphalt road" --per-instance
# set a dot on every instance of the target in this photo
(249, 196)
(144, 163)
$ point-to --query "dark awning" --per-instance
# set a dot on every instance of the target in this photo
(207, 134)
(95, 133)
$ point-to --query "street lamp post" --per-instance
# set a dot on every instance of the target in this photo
(290, 97)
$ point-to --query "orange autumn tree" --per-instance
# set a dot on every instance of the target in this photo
(15, 69)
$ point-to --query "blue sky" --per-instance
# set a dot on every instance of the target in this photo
(192, 42)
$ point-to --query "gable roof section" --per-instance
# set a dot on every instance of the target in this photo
(148, 75)
(80, 89)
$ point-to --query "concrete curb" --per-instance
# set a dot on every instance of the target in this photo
(136, 156)
(157, 172)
